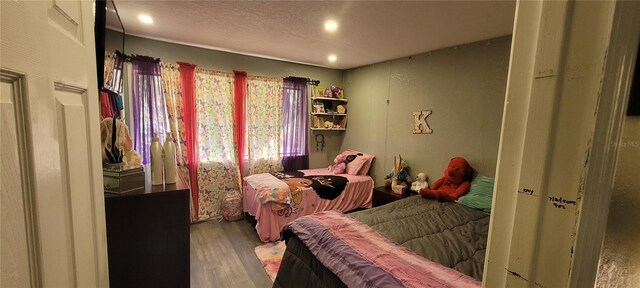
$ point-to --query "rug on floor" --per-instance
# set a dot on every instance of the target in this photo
(270, 255)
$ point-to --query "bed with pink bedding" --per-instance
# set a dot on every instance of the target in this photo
(277, 199)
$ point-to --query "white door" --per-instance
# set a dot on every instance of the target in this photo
(52, 205)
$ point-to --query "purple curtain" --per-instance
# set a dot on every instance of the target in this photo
(295, 126)
(149, 110)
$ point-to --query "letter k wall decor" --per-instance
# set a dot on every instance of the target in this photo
(420, 125)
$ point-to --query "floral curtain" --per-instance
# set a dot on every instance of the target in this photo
(264, 124)
(173, 100)
(218, 166)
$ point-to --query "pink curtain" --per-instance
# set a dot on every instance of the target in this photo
(187, 90)
(240, 96)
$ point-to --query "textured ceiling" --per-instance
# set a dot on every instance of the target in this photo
(368, 32)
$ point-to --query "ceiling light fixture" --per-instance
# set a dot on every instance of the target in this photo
(146, 19)
(332, 58)
(331, 25)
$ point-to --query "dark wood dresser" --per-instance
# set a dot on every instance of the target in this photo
(148, 237)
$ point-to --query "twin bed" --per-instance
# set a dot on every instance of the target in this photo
(427, 231)
(275, 203)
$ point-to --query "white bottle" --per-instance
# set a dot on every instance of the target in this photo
(169, 160)
(156, 161)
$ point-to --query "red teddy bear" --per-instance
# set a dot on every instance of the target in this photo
(454, 183)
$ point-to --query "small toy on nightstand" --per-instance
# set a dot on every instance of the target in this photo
(398, 179)
(420, 183)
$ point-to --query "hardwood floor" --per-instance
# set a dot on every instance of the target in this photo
(222, 256)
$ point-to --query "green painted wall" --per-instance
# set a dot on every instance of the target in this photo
(224, 61)
(463, 85)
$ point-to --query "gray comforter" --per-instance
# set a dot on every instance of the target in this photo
(448, 233)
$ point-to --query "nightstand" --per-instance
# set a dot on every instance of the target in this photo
(383, 195)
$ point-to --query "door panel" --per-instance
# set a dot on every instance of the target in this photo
(70, 10)
(72, 131)
(51, 44)
(15, 194)
(65, 16)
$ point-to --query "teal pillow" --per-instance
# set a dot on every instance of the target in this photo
(480, 194)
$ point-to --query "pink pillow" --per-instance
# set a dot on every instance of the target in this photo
(367, 166)
(356, 165)
(360, 165)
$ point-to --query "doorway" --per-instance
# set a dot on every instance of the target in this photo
(619, 264)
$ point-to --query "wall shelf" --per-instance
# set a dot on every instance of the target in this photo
(325, 109)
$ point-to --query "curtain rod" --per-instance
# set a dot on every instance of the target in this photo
(128, 58)
(300, 79)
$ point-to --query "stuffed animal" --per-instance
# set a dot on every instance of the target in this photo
(420, 183)
(328, 93)
(336, 92)
(328, 124)
(340, 164)
(454, 183)
(403, 173)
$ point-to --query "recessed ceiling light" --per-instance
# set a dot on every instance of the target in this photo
(332, 58)
(330, 25)
(146, 19)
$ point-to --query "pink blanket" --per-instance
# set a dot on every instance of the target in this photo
(362, 257)
(273, 215)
